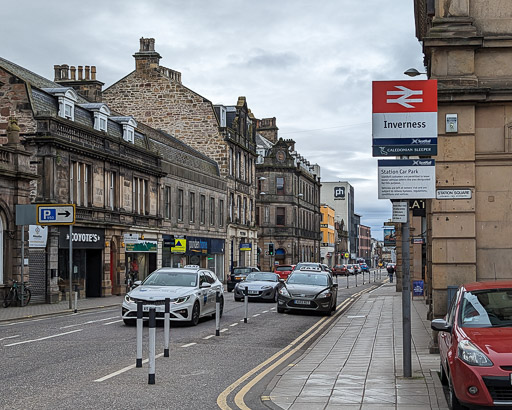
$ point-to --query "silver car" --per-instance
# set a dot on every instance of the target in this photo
(191, 290)
(260, 285)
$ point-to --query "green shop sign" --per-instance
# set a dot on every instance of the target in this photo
(142, 246)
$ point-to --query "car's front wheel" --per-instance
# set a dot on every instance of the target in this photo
(442, 374)
(129, 322)
(280, 310)
(194, 317)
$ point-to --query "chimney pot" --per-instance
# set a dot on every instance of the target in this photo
(56, 68)
(93, 72)
(73, 73)
(87, 72)
(80, 72)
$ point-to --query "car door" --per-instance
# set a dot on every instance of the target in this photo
(446, 338)
(216, 287)
(204, 293)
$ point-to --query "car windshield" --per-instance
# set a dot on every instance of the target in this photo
(241, 270)
(269, 277)
(487, 308)
(162, 278)
(283, 268)
(300, 278)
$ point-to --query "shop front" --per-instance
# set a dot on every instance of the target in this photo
(88, 246)
(140, 257)
(181, 250)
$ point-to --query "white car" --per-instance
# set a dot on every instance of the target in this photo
(191, 290)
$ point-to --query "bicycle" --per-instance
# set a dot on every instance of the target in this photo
(14, 294)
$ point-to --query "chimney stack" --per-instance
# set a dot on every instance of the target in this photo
(268, 129)
(86, 85)
(147, 59)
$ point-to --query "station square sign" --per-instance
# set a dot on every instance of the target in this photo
(404, 118)
(407, 179)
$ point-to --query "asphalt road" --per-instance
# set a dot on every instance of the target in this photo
(86, 360)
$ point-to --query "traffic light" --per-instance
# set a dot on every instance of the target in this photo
(271, 249)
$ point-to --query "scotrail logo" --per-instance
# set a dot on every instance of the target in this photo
(417, 162)
(404, 96)
(421, 141)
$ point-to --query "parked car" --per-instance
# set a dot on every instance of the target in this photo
(364, 267)
(260, 285)
(284, 271)
(192, 291)
(308, 288)
(239, 274)
(350, 269)
(321, 266)
(326, 267)
(475, 345)
(357, 268)
(339, 270)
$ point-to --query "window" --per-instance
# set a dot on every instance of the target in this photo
(80, 187)
(238, 165)
(139, 195)
(244, 212)
(267, 215)
(231, 160)
(167, 202)
(280, 216)
(212, 211)
(238, 209)
(231, 207)
(128, 134)
(280, 185)
(191, 207)
(257, 217)
(100, 119)
(180, 205)
(111, 190)
(202, 209)
(221, 212)
(249, 216)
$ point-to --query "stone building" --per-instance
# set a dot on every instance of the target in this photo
(156, 96)
(288, 206)
(467, 49)
(364, 248)
(127, 181)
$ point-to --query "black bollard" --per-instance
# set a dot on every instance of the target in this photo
(246, 302)
(152, 340)
(140, 325)
(217, 313)
(167, 326)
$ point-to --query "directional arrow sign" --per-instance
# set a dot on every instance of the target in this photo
(56, 214)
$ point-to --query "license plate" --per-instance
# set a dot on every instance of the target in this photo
(253, 292)
(302, 302)
(145, 308)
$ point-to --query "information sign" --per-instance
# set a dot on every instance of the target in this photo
(56, 214)
(407, 179)
(400, 210)
(453, 194)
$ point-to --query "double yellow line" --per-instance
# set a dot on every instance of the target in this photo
(289, 350)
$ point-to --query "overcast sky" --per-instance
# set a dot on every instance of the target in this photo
(308, 63)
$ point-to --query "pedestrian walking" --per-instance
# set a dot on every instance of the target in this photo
(391, 271)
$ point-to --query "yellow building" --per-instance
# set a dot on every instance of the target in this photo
(328, 235)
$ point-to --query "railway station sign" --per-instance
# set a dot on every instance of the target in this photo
(404, 118)
(407, 179)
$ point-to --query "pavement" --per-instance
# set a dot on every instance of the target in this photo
(356, 364)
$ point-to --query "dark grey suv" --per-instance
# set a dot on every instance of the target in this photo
(239, 274)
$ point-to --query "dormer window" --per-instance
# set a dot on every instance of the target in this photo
(101, 113)
(129, 125)
(67, 99)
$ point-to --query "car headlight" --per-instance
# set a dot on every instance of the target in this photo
(325, 294)
(179, 300)
(128, 299)
(472, 355)
(284, 292)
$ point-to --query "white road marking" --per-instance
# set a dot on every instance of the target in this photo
(208, 337)
(223, 330)
(51, 316)
(44, 338)
(257, 314)
(189, 344)
(234, 324)
(108, 376)
(115, 321)
(242, 320)
(265, 311)
(9, 337)
(273, 308)
(89, 322)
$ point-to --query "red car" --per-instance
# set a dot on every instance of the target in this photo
(339, 270)
(284, 270)
(475, 344)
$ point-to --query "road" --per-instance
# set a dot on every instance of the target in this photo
(86, 360)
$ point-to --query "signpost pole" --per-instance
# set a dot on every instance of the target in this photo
(22, 264)
(70, 265)
(406, 299)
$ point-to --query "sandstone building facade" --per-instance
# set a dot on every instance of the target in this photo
(468, 50)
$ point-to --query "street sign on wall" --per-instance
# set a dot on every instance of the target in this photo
(404, 118)
(453, 194)
(407, 179)
(55, 214)
(400, 210)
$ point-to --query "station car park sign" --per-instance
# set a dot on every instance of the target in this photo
(404, 118)
(407, 179)
(55, 214)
